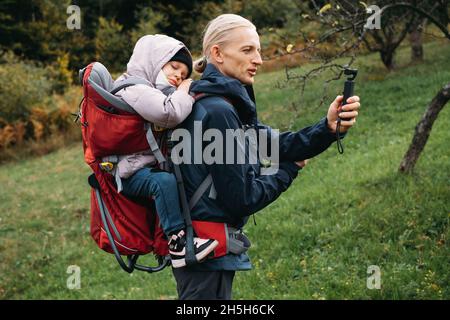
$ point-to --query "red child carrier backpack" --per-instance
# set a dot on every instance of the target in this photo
(111, 128)
(119, 224)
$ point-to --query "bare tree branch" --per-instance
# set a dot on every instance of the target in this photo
(419, 11)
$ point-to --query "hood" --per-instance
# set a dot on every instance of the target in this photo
(215, 83)
(150, 54)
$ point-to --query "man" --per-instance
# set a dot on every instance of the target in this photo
(232, 56)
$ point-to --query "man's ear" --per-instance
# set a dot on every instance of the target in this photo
(216, 54)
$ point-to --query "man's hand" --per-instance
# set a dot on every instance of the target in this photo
(349, 112)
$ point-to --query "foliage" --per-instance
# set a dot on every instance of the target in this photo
(60, 74)
(112, 47)
(148, 22)
(269, 13)
(47, 128)
(22, 86)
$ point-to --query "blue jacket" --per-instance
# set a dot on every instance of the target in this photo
(241, 189)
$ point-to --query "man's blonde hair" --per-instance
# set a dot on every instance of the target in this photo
(217, 32)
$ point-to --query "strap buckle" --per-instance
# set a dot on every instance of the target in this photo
(237, 241)
(107, 166)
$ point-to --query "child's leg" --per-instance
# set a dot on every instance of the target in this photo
(163, 186)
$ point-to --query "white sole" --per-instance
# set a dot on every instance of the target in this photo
(179, 263)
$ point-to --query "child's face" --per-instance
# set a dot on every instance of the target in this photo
(175, 72)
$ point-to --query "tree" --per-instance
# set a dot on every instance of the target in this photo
(423, 129)
(149, 22)
(112, 46)
(437, 9)
(395, 26)
(343, 17)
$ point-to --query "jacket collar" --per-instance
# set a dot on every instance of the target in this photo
(215, 83)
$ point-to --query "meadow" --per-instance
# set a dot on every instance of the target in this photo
(342, 214)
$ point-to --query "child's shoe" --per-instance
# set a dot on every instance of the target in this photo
(177, 248)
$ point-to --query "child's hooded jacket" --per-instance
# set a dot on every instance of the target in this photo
(150, 54)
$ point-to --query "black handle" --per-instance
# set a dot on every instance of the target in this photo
(348, 92)
(349, 86)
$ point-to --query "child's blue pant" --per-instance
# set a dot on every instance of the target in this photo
(148, 182)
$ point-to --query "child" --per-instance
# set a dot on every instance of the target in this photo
(167, 64)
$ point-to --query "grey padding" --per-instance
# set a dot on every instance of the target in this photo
(81, 75)
(101, 76)
(102, 82)
(112, 99)
(131, 81)
(237, 242)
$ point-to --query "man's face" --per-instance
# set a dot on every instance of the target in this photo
(240, 57)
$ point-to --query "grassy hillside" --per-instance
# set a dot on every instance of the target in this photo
(342, 214)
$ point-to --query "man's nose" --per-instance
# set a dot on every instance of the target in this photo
(257, 59)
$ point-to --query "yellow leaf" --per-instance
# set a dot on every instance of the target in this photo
(325, 8)
(363, 4)
(289, 48)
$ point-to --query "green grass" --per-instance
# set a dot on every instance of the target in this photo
(341, 215)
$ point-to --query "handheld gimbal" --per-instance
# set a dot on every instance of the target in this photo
(349, 87)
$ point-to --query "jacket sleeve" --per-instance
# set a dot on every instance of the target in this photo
(156, 107)
(305, 143)
(241, 190)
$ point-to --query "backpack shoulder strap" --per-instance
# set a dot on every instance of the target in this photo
(200, 95)
(128, 82)
(202, 188)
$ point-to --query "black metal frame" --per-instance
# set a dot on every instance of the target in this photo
(131, 263)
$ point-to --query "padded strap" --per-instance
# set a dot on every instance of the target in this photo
(128, 82)
(154, 145)
(112, 99)
(190, 252)
(206, 183)
(212, 192)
